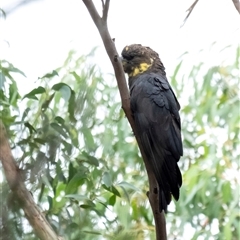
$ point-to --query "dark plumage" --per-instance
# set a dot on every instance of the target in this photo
(155, 111)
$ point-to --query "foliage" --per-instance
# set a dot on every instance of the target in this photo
(210, 123)
(81, 163)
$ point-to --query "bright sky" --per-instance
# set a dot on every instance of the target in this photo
(36, 38)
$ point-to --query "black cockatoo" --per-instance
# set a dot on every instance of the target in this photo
(155, 112)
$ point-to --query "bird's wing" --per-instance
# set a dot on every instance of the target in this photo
(155, 111)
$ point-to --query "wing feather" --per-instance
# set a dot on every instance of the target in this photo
(155, 111)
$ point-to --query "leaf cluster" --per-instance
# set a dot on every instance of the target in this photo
(81, 162)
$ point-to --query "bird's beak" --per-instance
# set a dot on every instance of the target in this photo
(124, 61)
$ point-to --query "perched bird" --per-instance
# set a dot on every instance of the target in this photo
(155, 112)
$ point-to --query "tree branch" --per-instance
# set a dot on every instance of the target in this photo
(41, 227)
(105, 10)
(113, 55)
(237, 5)
(101, 25)
(190, 9)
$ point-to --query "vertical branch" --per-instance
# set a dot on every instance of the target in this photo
(101, 24)
(105, 10)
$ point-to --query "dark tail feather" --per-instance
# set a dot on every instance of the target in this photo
(176, 188)
(163, 201)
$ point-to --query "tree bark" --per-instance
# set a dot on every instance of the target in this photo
(237, 5)
(42, 228)
(101, 24)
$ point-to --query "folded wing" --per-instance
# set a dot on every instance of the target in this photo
(155, 111)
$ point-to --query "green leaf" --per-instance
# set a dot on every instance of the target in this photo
(34, 92)
(85, 206)
(50, 201)
(126, 194)
(64, 89)
(88, 139)
(112, 200)
(59, 120)
(93, 161)
(88, 158)
(71, 171)
(72, 226)
(92, 232)
(10, 68)
(50, 75)
(71, 106)
(68, 147)
(227, 231)
(13, 94)
(76, 76)
(58, 86)
(77, 197)
(59, 129)
(115, 191)
(112, 189)
(226, 191)
(39, 140)
(2, 81)
(75, 182)
(88, 204)
(25, 113)
(73, 132)
(13, 69)
(128, 185)
(107, 180)
(47, 102)
(66, 93)
(30, 127)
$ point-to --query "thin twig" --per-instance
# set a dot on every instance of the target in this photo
(190, 9)
(101, 25)
(102, 4)
(105, 10)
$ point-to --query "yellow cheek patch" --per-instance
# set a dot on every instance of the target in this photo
(144, 67)
(140, 69)
(134, 72)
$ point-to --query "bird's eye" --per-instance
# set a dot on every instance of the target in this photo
(129, 58)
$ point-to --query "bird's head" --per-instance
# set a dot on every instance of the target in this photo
(137, 59)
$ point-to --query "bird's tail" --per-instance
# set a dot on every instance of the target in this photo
(171, 188)
(163, 202)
